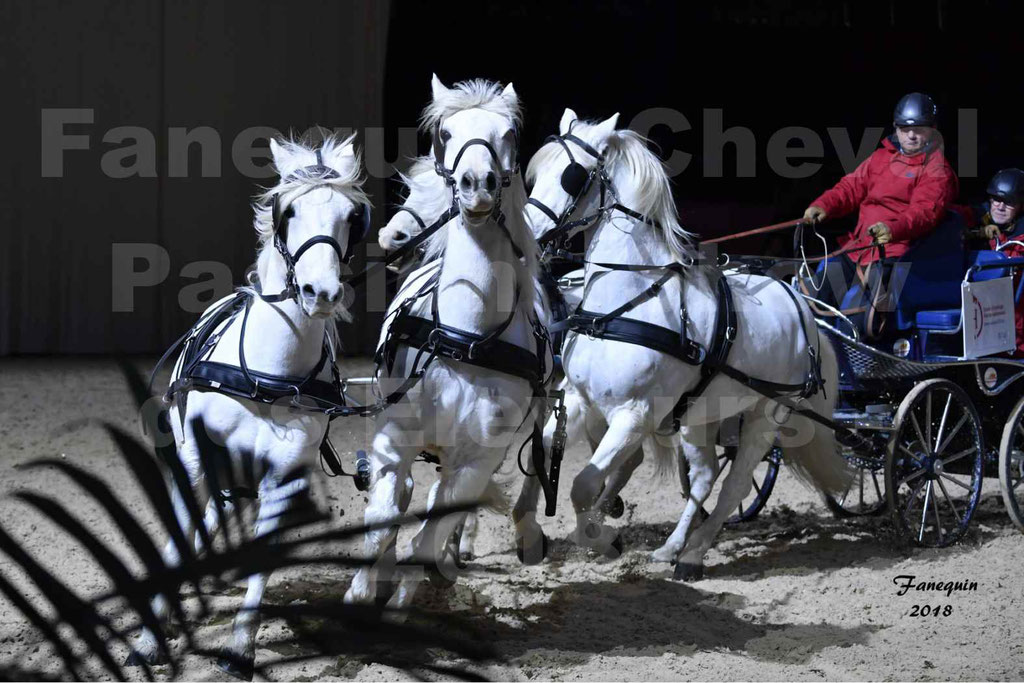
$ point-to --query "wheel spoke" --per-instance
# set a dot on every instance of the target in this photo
(953, 432)
(938, 519)
(878, 489)
(917, 428)
(1018, 483)
(756, 487)
(959, 483)
(924, 511)
(945, 414)
(928, 420)
(957, 456)
(912, 498)
(909, 478)
(911, 454)
(945, 494)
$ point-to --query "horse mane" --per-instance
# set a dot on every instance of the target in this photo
(653, 186)
(427, 193)
(476, 93)
(489, 96)
(292, 186)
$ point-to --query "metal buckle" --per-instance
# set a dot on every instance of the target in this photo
(255, 390)
(471, 355)
(432, 338)
(730, 333)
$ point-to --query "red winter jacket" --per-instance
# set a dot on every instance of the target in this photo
(908, 194)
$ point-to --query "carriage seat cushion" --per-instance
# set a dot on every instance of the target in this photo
(978, 258)
(946, 319)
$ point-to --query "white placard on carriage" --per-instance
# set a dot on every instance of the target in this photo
(987, 312)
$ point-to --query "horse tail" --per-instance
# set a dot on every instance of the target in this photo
(810, 449)
(664, 450)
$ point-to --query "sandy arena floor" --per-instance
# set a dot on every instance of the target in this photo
(793, 595)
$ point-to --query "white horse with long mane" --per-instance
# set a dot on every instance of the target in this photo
(282, 331)
(621, 395)
(479, 283)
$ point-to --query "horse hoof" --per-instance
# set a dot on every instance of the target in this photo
(235, 666)
(614, 550)
(688, 572)
(615, 508)
(535, 553)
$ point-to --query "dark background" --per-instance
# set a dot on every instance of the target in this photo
(359, 63)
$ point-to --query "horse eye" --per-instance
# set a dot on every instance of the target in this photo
(445, 135)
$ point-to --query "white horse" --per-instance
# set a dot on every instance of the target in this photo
(317, 207)
(484, 277)
(427, 198)
(621, 395)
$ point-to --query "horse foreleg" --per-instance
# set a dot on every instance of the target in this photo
(389, 472)
(698, 471)
(609, 501)
(145, 647)
(531, 544)
(277, 502)
(459, 485)
(618, 445)
(756, 433)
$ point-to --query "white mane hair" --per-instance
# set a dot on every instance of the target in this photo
(428, 195)
(291, 186)
(476, 93)
(487, 95)
(653, 187)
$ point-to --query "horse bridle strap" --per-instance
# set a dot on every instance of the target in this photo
(576, 182)
(319, 173)
(449, 174)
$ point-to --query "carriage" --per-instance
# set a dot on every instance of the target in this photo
(933, 420)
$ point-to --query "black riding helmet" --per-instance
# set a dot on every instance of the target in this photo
(1007, 185)
(915, 109)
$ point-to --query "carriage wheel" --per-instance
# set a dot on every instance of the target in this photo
(933, 466)
(763, 482)
(1011, 465)
(866, 493)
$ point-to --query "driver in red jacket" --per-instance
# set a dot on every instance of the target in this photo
(902, 192)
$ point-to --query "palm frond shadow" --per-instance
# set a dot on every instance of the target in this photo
(90, 635)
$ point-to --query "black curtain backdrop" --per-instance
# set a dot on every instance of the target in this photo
(766, 64)
(158, 65)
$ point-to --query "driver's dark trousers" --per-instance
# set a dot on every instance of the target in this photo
(841, 273)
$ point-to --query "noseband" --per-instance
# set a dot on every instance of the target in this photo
(319, 173)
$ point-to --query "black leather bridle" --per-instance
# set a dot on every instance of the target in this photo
(319, 173)
(577, 181)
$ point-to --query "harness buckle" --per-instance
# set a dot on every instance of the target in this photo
(730, 333)
(471, 354)
(432, 338)
(256, 390)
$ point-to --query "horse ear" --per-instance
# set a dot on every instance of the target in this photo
(277, 152)
(437, 88)
(340, 155)
(284, 160)
(568, 116)
(607, 127)
(509, 93)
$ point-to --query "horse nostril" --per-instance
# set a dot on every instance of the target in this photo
(466, 184)
(492, 181)
(401, 236)
(333, 298)
(307, 291)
